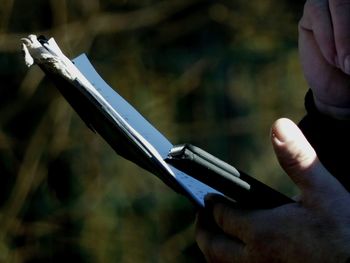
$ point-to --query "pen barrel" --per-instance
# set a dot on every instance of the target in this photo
(237, 185)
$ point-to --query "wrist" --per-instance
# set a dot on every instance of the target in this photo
(338, 113)
(326, 112)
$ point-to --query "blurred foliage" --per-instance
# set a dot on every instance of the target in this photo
(213, 73)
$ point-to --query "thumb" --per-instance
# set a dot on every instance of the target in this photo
(299, 160)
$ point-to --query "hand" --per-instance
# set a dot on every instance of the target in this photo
(314, 229)
(324, 46)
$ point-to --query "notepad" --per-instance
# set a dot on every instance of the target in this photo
(111, 116)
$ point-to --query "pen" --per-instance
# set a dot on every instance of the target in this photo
(225, 178)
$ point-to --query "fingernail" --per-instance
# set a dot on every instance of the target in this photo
(284, 130)
(347, 65)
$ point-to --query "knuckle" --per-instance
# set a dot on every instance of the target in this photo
(297, 160)
(302, 25)
(294, 163)
(316, 8)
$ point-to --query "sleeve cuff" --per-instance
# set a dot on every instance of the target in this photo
(321, 119)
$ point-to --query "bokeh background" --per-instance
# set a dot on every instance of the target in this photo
(215, 73)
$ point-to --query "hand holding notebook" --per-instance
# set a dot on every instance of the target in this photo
(134, 138)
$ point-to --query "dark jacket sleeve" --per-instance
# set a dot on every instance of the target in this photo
(330, 138)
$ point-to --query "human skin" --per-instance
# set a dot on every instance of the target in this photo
(324, 47)
(316, 228)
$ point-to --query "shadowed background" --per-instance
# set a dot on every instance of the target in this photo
(212, 73)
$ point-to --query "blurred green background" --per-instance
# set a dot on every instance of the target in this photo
(213, 73)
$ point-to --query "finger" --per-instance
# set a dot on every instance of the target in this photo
(340, 10)
(313, 62)
(246, 225)
(299, 160)
(233, 221)
(317, 18)
(218, 247)
(293, 151)
(329, 84)
(227, 216)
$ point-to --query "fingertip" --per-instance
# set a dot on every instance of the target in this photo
(284, 130)
(299, 160)
(293, 151)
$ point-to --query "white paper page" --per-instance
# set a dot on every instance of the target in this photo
(161, 144)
